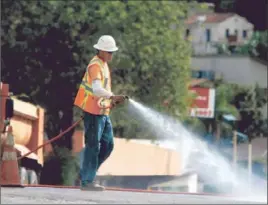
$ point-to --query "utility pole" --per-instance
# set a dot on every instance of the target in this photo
(234, 149)
(254, 107)
(249, 162)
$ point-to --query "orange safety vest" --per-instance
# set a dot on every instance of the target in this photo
(85, 98)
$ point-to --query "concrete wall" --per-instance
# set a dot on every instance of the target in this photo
(189, 182)
(133, 182)
(135, 159)
(241, 70)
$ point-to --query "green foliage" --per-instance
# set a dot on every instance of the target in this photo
(153, 62)
(157, 57)
(245, 103)
(197, 8)
(224, 96)
(70, 166)
(196, 125)
(257, 46)
(227, 5)
(44, 53)
(222, 48)
(250, 102)
(46, 46)
(60, 168)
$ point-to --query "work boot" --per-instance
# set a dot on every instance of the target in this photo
(92, 187)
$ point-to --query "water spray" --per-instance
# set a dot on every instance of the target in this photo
(197, 156)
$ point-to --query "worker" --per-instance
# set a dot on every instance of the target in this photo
(95, 98)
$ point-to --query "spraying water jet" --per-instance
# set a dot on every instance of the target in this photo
(197, 155)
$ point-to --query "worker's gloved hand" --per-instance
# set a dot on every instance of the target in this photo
(118, 99)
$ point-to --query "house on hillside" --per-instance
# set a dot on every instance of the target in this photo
(209, 30)
(206, 31)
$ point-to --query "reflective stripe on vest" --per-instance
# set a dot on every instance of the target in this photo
(87, 87)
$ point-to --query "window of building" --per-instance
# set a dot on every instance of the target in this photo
(245, 34)
(208, 35)
(227, 33)
(236, 32)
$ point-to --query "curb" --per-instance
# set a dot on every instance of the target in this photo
(131, 190)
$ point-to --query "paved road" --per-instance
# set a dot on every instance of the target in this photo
(75, 196)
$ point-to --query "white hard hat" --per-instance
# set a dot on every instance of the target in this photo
(106, 43)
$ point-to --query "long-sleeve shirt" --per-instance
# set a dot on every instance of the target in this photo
(99, 91)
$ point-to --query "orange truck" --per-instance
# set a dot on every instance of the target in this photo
(27, 121)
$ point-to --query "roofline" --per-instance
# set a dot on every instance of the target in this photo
(219, 22)
(233, 14)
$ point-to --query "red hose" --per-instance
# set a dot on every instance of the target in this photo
(53, 139)
(130, 190)
(57, 137)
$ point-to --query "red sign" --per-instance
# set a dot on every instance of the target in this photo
(204, 103)
(201, 101)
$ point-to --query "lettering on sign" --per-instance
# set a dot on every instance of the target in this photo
(204, 103)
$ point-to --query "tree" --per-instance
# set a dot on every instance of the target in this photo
(46, 46)
(44, 55)
(153, 62)
(245, 103)
(261, 48)
(250, 103)
(224, 96)
(226, 5)
(256, 47)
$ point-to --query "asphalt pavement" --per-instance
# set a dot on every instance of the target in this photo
(41, 195)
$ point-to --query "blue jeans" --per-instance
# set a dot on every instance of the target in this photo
(98, 145)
